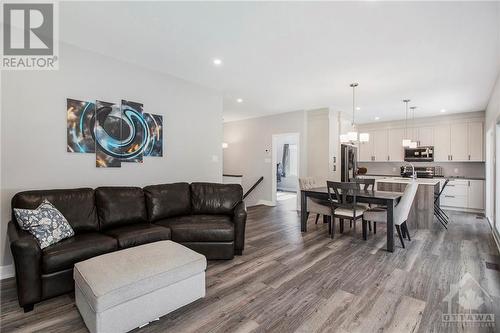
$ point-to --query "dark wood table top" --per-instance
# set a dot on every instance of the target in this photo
(361, 193)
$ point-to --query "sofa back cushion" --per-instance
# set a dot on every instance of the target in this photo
(211, 198)
(76, 205)
(118, 206)
(167, 200)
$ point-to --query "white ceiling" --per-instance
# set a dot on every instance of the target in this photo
(290, 56)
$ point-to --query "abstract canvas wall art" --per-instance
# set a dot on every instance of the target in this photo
(80, 123)
(108, 134)
(116, 133)
(154, 146)
(134, 132)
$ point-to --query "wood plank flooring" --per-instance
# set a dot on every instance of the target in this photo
(287, 281)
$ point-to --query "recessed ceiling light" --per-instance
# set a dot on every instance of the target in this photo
(377, 118)
(239, 100)
(358, 108)
(217, 62)
(443, 110)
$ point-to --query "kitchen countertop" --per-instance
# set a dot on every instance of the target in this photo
(463, 178)
(400, 180)
(437, 177)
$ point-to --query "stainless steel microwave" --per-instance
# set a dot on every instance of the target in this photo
(419, 154)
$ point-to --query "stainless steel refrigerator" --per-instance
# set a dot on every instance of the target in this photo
(348, 162)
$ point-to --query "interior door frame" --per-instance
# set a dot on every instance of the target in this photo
(274, 160)
(496, 180)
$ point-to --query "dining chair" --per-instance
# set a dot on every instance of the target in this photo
(342, 197)
(400, 216)
(314, 206)
(438, 211)
(366, 184)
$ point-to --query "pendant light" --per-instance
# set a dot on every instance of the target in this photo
(353, 134)
(406, 141)
(413, 144)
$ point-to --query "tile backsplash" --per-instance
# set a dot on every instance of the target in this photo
(458, 169)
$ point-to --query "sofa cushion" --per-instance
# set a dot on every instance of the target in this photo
(46, 223)
(200, 228)
(211, 198)
(138, 234)
(167, 200)
(77, 205)
(66, 253)
(119, 206)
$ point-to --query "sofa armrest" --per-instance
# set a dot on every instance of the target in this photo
(239, 220)
(27, 260)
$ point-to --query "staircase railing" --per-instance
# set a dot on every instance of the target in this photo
(253, 187)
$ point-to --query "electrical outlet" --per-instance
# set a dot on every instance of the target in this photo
(455, 170)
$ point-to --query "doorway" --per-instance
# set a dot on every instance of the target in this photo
(496, 166)
(285, 170)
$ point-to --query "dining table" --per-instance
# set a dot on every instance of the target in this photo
(387, 199)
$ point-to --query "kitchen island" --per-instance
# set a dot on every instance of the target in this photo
(422, 211)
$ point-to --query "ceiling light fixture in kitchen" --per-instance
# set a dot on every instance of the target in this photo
(352, 135)
(406, 141)
(413, 144)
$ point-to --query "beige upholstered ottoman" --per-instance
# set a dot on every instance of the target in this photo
(119, 291)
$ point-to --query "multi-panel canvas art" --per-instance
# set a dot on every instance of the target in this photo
(154, 146)
(80, 123)
(116, 133)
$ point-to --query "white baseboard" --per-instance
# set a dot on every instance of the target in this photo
(465, 210)
(266, 203)
(496, 236)
(7, 272)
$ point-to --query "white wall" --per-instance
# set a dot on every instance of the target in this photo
(250, 150)
(33, 128)
(318, 144)
(492, 118)
(249, 139)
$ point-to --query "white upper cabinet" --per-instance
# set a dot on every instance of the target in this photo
(380, 149)
(425, 136)
(395, 144)
(413, 134)
(475, 138)
(441, 143)
(366, 150)
(458, 142)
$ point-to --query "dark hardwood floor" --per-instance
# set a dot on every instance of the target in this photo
(292, 282)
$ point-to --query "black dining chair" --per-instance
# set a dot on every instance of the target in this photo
(442, 217)
(342, 198)
(366, 184)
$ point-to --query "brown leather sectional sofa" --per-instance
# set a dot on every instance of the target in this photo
(206, 217)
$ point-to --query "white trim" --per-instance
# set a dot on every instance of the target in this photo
(7, 271)
(274, 160)
(496, 236)
(265, 203)
(462, 209)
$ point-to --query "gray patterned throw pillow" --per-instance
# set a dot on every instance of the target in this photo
(45, 222)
